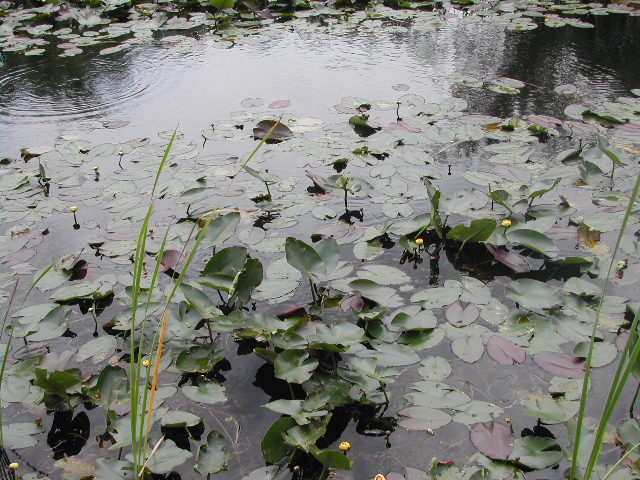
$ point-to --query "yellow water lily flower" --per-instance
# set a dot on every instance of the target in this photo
(345, 446)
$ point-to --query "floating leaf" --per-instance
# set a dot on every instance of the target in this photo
(170, 259)
(536, 452)
(504, 351)
(460, 315)
(512, 260)
(213, 456)
(532, 294)
(495, 441)
(167, 457)
(201, 358)
(361, 127)
(20, 435)
(273, 446)
(294, 366)
(467, 348)
(478, 231)
(280, 131)
(353, 303)
(560, 364)
(97, 349)
(423, 418)
(533, 240)
(205, 392)
(280, 104)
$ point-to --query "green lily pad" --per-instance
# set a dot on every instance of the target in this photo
(167, 458)
(205, 392)
(533, 294)
(294, 366)
(213, 456)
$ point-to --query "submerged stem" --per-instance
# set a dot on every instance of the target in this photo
(313, 294)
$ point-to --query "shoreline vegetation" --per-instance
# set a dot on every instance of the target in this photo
(68, 28)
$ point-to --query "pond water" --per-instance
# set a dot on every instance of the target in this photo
(92, 121)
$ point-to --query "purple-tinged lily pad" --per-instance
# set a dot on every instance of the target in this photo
(621, 340)
(479, 119)
(512, 260)
(544, 120)
(294, 311)
(504, 351)
(562, 232)
(232, 191)
(342, 232)
(579, 128)
(170, 260)
(402, 125)
(138, 142)
(280, 104)
(279, 133)
(18, 257)
(355, 303)
(112, 125)
(319, 182)
(560, 364)
(460, 315)
(629, 127)
(495, 441)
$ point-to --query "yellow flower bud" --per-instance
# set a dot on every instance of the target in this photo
(14, 466)
(74, 208)
(146, 363)
(399, 102)
(345, 446)
(96, 168)
(380, 477)
(121, 153)
(90, 309)
(506, 223)
(419, 241)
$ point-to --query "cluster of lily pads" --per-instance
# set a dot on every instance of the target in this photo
(67, 28)
(413, 228)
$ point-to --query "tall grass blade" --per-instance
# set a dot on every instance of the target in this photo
(145, 423)
(134, 388)
(616, 389)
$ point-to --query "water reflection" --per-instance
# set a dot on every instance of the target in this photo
(142, 84)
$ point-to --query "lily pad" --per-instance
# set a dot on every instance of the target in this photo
(494, 440)
(423, 418)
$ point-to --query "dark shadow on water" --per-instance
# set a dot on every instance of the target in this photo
(68, 434)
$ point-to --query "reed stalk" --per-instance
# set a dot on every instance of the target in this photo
(141, 423)
(623, 370)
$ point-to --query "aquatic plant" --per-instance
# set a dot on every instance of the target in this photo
(514, 295)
